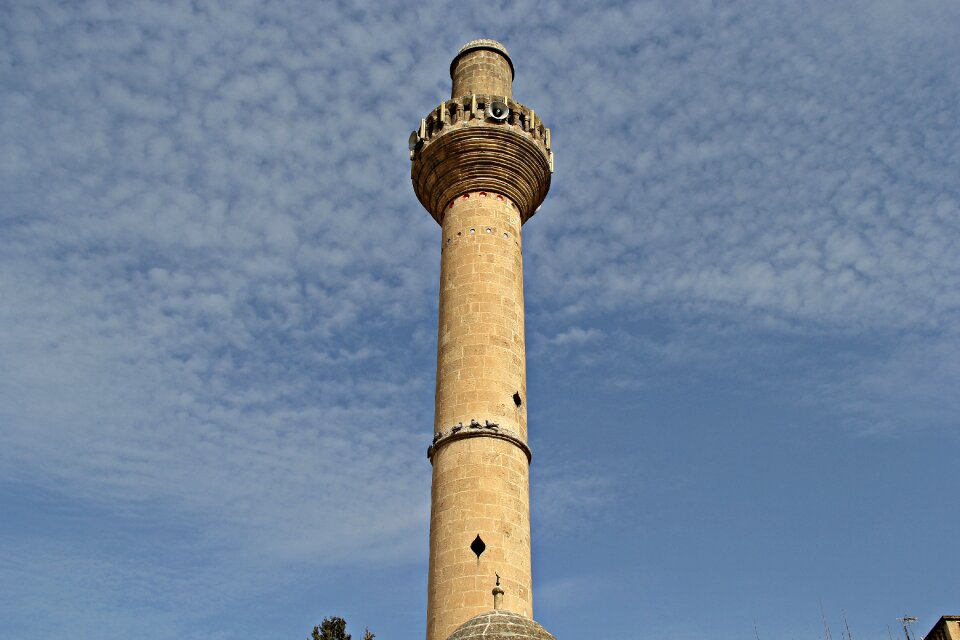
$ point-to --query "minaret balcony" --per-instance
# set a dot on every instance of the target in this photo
(481, 143)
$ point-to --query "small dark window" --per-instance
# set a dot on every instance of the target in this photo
(516, 399)
(477, 546)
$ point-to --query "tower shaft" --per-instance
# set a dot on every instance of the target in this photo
(480, 482)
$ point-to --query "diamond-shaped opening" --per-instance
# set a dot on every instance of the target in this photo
(516, 399)
(477, 546)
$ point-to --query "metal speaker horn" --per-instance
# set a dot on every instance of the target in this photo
(498, 111)
(414, 141)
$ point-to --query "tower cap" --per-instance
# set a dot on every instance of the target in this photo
(483, 43)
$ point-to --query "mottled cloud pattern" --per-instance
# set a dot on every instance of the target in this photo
(218, 292)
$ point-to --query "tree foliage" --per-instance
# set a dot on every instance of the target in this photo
(334, 628)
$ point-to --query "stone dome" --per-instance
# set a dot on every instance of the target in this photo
(484, 43)
(500, 625)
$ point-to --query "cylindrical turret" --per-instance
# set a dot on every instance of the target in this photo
(481, 167)
(482, 67)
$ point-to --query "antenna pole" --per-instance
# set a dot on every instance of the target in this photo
(906, 621)
(847, 625)
(826, 627)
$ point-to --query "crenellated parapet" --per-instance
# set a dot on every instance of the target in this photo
(477, 143)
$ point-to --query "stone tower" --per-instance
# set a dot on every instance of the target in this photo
(481, 165)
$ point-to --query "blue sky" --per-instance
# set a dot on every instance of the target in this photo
(218, 300)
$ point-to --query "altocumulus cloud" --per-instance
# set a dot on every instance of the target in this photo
(740, 171)
(214, 284)
(201, 295)
(187, 255)
(218, 292)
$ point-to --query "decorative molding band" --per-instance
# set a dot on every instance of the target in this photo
(477, 430)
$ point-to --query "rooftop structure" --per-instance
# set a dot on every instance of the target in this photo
(946, 628)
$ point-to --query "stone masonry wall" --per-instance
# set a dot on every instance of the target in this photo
(480, 487)
(481, 355)
(480, 484)
(482, 71)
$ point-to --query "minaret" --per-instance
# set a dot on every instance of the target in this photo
(481, 166)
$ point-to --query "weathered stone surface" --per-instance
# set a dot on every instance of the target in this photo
(480, 483)
(500, 625)
(463, 150)
(946, 628)
(481, 177)
(482, 66)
